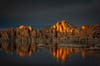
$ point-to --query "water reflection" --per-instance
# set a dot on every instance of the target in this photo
(22, 49)
(63, 53)
(60, 53)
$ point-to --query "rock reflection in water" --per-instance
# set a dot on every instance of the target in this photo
(20, 48)
(60, 53)
(63, 53)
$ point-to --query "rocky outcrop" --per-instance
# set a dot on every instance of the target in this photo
(23, 33)
(90, 32)
(24, 39)
(63, 26)
(7, 35)
(65, 30)
(61, 30)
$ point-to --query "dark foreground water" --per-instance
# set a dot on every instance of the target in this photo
(57, 56)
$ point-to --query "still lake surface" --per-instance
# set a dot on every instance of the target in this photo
(58, 56)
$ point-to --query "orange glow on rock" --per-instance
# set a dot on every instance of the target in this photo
(62, 27)
(83, 27)
(21, 27)
(30, 28)
(25, 27)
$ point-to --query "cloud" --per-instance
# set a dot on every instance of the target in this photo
(20, 8)
(48, 11)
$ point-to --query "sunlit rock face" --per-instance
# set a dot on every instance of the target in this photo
(65, 30)
(61, 30)
(64, 26)
(25, 27)
(23, 31)
(89, 32)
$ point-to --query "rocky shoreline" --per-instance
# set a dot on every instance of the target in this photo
(60, 31)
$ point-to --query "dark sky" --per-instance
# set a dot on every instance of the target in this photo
(39, 13)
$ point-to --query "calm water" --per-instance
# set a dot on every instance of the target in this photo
(63, 56)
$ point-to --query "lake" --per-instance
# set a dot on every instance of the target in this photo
(57, 55)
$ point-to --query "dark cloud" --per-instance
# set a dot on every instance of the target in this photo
(22, 8)
(42, 11)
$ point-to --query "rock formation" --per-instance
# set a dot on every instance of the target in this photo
(24, 39)
(61, 30)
